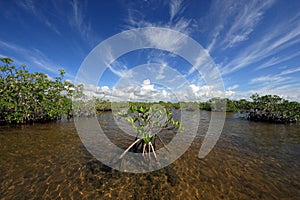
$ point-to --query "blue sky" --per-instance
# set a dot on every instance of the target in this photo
(255, 45)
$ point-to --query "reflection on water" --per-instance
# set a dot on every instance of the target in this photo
(250, 161)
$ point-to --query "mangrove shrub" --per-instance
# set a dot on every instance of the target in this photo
(147, 121)
(32, 97)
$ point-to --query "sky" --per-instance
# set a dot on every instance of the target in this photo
(254, 46)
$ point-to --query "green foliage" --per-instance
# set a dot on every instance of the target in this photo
(148, 120)
(273, 108)
(85, 106)
(32, 97)
(205, 106)
(269, 108)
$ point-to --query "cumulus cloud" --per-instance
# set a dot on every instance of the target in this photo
(148, 92)
(147, 85)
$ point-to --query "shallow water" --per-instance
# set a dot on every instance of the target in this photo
(251, 160)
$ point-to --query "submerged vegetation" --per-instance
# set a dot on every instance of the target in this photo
(35, 97)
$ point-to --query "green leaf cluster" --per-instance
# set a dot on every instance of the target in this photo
(148, 119)
(273, 108)
(32, 97)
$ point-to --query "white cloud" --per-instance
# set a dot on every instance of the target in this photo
(206, 92)
(215, 36)
(233, 87)
(31, 56)
(137, 19)
(237, 18)
(277, 60)
(273, 82)
(275, 40)
(77, 18)
(202, 63)
(283, 83)
(267, 79)
(164, 39)
(147, 85)
(79, 22)
(30, 7)
(158, 39)
(117, 67)
(290, 71)
(247, 17)
(161, 74)
(149, 93)
(175, 8)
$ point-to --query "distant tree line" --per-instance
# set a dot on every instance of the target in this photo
(271, 108)
(268, 108)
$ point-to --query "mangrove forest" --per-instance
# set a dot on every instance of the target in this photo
(35, 97)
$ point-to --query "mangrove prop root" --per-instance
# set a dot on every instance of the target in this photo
(123, 154)
(153, 151)
(146, 146)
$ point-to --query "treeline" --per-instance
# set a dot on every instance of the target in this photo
(268, 108)
(32, 97)
(271, 108)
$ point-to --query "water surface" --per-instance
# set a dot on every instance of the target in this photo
(251, 160)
